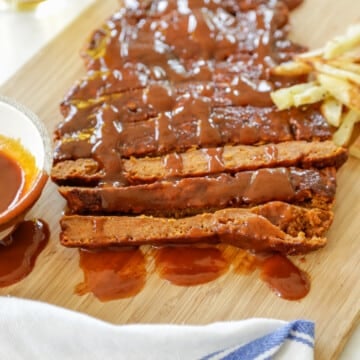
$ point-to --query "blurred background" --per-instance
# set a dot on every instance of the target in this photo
(26, 26)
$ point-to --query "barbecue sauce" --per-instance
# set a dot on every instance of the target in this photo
(112, 274)
(117, 274)
(18, 171)
(20, 249)
(284, 278)
(11, 181)
(189, 265)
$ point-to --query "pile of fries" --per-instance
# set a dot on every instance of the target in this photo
(334, 79)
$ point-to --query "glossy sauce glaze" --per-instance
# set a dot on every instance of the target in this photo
(111, 275)
(150, 91)
(19, 250)
(192, 195)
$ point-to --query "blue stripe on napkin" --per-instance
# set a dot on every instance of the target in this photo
(300, 331)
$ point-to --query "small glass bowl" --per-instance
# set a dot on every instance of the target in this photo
(20, 124)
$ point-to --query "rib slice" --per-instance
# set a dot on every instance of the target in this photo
(185, 129)
(309, 187)
(97, 86)
(210, 98)
(243, 228)
(234, 159)
(129, 35)
(207, 161)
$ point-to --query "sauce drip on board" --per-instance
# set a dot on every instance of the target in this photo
(116, 274)
(112, 274)
(189, 265)
(284, 278)
(11, 181)
(19, 250)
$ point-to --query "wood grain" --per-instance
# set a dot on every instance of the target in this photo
(334, 300)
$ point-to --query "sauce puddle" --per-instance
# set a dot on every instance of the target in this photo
(284, 278)
(19, 250)
(188, 265)
(116, 274)
(112, 274)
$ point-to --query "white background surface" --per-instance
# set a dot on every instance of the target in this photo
(22, 34)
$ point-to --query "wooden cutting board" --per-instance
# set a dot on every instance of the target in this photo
(334, 300)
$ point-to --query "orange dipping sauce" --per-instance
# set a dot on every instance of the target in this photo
(21, 181)
(11, 181)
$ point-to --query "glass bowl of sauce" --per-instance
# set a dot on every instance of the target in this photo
(25, 162)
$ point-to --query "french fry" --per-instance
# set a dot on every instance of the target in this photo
(292, 68)
(310, 96)
(354, 149)
(342, 90)
(284, 98)
(346, 65)
(310, 55)
(332, 110)
(352, 55)
(337, 72)
(343, 134)
(341, 44)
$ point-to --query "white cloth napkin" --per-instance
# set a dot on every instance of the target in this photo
(34, 330)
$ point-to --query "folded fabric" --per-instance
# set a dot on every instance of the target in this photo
(35, 330)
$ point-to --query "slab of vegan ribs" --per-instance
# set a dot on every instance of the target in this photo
(172, 137)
